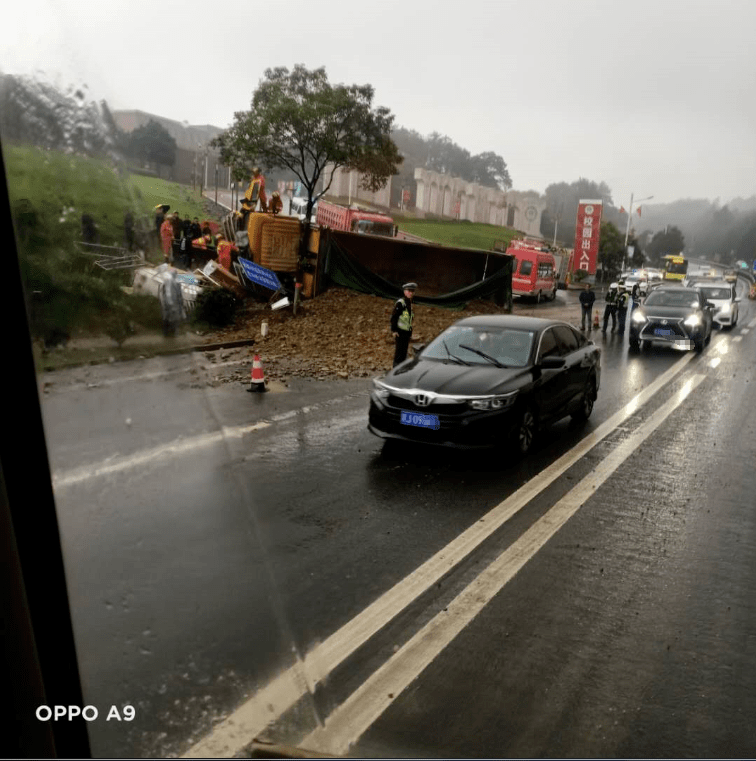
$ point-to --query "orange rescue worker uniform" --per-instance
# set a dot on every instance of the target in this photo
(276, 204)
(257, 179)
(166, 236)
(224, 251)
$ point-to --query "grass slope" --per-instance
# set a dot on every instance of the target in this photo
(62, 187)
(461, 234)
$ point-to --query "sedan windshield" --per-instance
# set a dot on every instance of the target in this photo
(482, 345)
(672, 299)
(714, 294)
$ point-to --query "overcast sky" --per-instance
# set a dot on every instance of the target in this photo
(653, 97)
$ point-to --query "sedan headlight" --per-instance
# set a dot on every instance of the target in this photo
(638, 317)
(380, 390)
(725, 308)
(693, 321)
(496, 402)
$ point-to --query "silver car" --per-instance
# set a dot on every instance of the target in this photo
(722, 295)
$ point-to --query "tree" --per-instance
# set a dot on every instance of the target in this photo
(668, 241)
(490, 170)
(299, 121)
(152, 142)
(610, 249)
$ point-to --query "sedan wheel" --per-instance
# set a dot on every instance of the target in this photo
(525, 431)
(586, 403)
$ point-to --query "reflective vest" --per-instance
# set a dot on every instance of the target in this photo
(622, 300)
(405, 318)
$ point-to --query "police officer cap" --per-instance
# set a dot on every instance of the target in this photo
(613, 286)
(409, 287)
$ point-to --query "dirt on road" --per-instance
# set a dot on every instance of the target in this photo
(341, 334)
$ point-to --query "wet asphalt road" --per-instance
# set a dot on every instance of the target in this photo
(214, 537)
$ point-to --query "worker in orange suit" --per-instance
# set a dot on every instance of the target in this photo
(166, 237)
(224, 251)
(276, 204)
(251, 196)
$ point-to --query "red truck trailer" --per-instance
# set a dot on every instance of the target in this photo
(354, 220)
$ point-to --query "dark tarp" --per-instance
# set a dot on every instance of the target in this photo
(346, 271)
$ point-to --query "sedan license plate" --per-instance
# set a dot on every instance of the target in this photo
(664, 332)
(420, 420)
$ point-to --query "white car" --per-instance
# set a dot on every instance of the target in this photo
(635, 282)
(722, 295)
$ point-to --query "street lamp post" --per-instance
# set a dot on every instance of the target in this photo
(630, 211)
(627, 229)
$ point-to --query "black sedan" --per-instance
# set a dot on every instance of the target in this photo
(487, 381)
(678, 316)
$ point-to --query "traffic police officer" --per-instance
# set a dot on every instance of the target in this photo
(610, 310)
(623, 300)
(401, 322)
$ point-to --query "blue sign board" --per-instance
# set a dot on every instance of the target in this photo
(260, 275)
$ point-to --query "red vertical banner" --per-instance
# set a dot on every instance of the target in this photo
(587, 234)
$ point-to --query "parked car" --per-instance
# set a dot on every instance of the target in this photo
(722, 294)
(487, 381)
(636, 283)
(673, 315)
(298, 208)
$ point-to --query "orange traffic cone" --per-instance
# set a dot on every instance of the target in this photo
(257, 381)
(595, 319)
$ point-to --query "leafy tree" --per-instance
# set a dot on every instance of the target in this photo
(668, 241)
(300, 121)
(490, 169)
(152, 142)
(611, 245)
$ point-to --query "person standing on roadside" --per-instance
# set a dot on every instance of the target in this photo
(401, 323)
(196, 229)
(623, 300)
(610, 310)
(166, 236)
(587, 297)
(159, 219)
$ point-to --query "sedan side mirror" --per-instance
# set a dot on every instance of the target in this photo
(552, 363)
(417, 348)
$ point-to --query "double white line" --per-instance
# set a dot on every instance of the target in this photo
(360, 710)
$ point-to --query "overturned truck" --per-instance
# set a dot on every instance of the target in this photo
(448, 276)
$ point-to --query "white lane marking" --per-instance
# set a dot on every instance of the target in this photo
(353, 717)
(116, 464)
(752, 323)
(715, 362)
(737, 339)
(253, 716)
(744, 331)
(722, 346)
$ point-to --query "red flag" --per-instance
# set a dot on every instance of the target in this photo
(638, 210)
(622, 210)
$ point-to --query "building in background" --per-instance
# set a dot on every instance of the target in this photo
(196, 162)
(444, 196)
